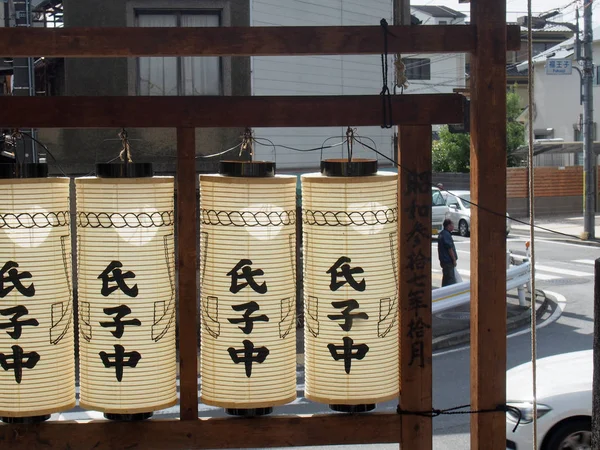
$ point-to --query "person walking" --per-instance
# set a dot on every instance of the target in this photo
(447, 253)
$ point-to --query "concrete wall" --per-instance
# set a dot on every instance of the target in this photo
(78, 150)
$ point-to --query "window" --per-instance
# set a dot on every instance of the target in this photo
(179, 75)
(443, 22)
(437, 199)
(417, 68)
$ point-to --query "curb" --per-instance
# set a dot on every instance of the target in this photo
(590, 243)
(464, 336)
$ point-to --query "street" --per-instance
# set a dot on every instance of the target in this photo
(564, 269)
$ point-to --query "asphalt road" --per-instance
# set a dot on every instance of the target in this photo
(562, 268)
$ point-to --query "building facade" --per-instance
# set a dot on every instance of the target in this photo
(557, 108)
(318, 75)
(77, 151)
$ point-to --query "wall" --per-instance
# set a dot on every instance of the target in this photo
(318, 75)
(557, 99)
(557, 190)
(78, 150)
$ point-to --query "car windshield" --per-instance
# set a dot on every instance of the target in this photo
(466, 198)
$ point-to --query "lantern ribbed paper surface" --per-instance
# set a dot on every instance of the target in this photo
(248, 286)
(37, 374)
(350, 288)
(126, 294)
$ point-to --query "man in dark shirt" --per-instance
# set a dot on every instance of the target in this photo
(447, 253)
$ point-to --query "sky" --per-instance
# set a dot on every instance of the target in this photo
(517, 8)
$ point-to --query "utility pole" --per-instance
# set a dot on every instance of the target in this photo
(401, 12)
(589, 156)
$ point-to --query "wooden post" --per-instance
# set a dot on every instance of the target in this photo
(488, 237)
(414, 225)
(596, 353)
(186, 267)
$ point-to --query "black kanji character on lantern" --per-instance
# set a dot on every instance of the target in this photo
(418, 211)
(347, 272)
(248, 320)
(416, 328)
(247, 274)
(417, 261)
(416, 353)
(120, 311)
(118, 277)
(20, 360)
(248, 355)
(17, 326)
(10, 274)
(349, 351)
(345, 314)
(418, 183)
(120, 359)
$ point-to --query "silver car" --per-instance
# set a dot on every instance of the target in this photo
(459, 212)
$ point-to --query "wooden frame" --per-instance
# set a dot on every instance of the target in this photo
(484, 38)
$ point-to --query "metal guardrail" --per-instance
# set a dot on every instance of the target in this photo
(444, 298)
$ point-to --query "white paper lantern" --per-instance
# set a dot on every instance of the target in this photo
(126, 294)
(37, 373)
(350, 289)
(248, 288)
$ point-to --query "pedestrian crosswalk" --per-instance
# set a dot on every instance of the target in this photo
(543, 272)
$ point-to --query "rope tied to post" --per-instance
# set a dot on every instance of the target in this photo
(125, 154)
(386, 96)
(457, 410)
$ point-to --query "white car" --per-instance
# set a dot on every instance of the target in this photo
(439, 209)
(564, 403)
(459, 212)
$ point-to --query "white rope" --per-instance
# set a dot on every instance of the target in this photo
(531, 224)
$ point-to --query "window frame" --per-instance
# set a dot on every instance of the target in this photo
(221, 6)
(421, 69)
(178, 13)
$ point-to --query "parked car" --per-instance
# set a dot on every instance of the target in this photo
(459, 211)
(439, 209)
(564, 408)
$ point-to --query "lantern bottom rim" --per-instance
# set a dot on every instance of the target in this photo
(249, 412)
(353, 409)
(128, 417)
(25, 420)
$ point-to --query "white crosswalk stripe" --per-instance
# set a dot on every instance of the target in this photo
(561, 271)
(591, 262)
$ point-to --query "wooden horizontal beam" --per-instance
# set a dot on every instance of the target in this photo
(240, 41)
(282, 431)
(268, 111)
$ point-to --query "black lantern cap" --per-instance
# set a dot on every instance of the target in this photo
(353, 409)
(253, 169)
(124, 170)
(23, 170)
(345, 168)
